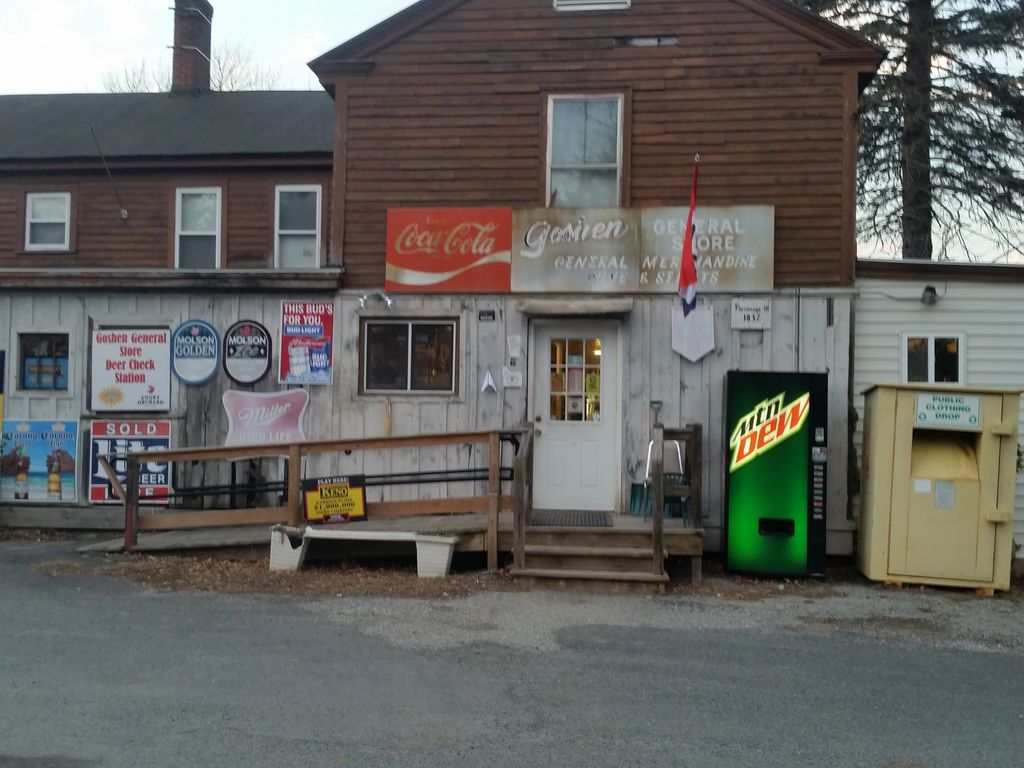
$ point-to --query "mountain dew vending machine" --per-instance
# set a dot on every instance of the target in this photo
(776, 457)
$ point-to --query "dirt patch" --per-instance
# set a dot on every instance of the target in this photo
(206, 574)
(729, 586)
(34, 534)
(875, 624)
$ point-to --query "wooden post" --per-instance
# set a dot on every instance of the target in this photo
(131, 506)
(658, 500)
(294, 485)
(521, 466)
(696, 476)
(493, 491)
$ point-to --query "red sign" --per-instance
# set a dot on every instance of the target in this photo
(456, 250)
(115, 440)
(259, 418)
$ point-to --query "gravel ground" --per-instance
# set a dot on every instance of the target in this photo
(386, 600)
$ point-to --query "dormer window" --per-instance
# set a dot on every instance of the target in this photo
(591, 5)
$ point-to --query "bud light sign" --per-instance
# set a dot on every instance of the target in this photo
(115, 440)
(307, 336)
(195, 352)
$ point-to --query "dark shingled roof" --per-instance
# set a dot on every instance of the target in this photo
(159, 125)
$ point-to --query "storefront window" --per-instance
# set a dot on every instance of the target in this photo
(43, 362)
(409, 356)
(575, 387)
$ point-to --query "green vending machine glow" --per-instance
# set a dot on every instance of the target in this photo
(776, 459)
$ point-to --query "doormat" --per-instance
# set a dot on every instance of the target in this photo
(571, 518)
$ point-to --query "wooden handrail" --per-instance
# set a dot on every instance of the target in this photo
(522, 498)
(292, 512)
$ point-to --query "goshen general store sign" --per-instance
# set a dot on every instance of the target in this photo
(131, 370)
(578, 250)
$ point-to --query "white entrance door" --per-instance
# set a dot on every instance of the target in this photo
(575, 412)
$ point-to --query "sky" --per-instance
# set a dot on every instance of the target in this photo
(67, 46)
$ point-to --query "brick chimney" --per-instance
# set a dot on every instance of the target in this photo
(190, 70)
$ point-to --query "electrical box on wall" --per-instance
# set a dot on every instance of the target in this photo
(939, 476)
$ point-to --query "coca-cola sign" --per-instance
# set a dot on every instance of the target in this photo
(451, 250)
(261, 418)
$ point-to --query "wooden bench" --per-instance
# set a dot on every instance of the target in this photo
(433, 553)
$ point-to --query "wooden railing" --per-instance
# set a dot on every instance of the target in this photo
(140, 519)
(522, 497)
(689, 438)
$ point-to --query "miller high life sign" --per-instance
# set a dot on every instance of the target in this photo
(766, 426)
(454, 250)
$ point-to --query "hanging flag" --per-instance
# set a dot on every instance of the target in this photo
(688, 262)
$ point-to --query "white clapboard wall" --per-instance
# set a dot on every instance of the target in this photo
(986, 313)
(810, 331)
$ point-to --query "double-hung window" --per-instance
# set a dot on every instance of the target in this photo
(584, 151)
(409, 355)
(197, 228)
(297, 227)
(47, 221)
(933, 358)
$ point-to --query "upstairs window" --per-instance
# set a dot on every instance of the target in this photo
(47, 221)
(933, 358)
(584, 151)
(197, 228)
(297, 227)
(591, 5)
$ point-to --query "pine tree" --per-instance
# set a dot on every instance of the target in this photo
(942, 125)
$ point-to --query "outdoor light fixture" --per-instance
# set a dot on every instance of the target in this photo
(929, 296)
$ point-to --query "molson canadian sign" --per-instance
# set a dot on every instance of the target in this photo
(452, 250)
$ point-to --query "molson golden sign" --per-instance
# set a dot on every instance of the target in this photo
(450, 250)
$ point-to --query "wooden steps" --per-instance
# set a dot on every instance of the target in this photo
(594, 559)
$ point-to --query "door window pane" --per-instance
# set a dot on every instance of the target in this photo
(575, 379)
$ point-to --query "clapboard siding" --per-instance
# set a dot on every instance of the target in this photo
(801, 338)
(987, 313)
(452, 114)
(145, 239)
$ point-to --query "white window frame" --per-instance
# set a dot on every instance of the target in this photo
(277, 219)
(620, 101)
(961, 353)
(409, 322)
(179, 233)
(591, 5)
(29, 221)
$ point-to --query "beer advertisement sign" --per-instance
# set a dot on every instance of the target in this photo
(39, 461)
(246, 352)
(335, 499)
(131, 370)
(261, 418)
(195, 352)
(449, 250)
(306, 342)
(115, 440)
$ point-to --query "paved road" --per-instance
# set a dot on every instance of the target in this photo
(94, 672)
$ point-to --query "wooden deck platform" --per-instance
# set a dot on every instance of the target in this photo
(469, 528)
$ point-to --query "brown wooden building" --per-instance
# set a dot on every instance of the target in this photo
(562, 112)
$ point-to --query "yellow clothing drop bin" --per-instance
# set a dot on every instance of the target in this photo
(937, 485)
